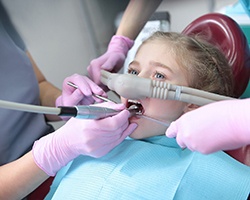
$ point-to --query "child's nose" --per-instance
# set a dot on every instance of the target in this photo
(144, 74)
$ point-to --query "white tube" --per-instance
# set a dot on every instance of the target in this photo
(134, 87)
(29, 108)
(167, 124)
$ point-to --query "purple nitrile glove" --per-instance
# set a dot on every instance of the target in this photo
(112, 60)
(218, 126)
(93, 138)
(80, 96)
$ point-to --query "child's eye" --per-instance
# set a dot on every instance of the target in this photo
(132, 71)
(159, 75)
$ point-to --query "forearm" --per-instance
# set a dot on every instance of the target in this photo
(48, 96)
(48, 93)
(135, 17)
(20, 177)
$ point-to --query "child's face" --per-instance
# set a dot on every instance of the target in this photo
(154, 61)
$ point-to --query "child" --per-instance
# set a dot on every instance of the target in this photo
(150, 165)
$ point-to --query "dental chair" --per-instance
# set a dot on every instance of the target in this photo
(225, 33)
(41, 192)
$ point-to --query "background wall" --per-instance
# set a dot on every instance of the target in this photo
(64, 36)
(185, 11)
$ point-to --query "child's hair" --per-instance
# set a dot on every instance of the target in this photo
(206, 66)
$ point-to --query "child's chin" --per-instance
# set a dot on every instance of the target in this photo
(136, 135)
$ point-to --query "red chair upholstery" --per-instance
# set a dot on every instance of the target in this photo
(225, 33)
(41, 192)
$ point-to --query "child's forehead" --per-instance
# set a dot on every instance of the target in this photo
(154, 42)
(159, 45)
(156, 50)
(159, 41)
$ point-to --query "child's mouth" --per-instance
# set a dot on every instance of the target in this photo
(136, 106)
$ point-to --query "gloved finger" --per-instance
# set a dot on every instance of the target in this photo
(180, 142)
(172, 130)
(74, 98)
(96, 63)
(109, 64)
(85, 85)
(87, 101)
(103, 143)
(66, 88)
(94, 74)
(94, 68)
(119, 120)
(129, 130)
(93, 87)
(111, 124)
(113, 135)
(190, 148)
(109, 136)
(114, 64)
(108, 147)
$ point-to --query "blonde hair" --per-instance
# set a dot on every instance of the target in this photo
(206, 66)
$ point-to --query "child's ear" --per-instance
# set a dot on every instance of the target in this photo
(190, 107)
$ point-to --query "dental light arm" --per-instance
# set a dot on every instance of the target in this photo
(83, 112)
(134, 87)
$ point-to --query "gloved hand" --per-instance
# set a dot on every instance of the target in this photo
(112, 60)
(81, 96)
(82, 137)
(219, 126)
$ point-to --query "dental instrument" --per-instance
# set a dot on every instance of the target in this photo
(95, 95)
(83, 112)
(134, 87)
(133, 109)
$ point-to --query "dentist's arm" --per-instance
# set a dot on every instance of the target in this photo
(50, 153)
(135, 17)
(52, 96)
(218, 126)
(20, 177)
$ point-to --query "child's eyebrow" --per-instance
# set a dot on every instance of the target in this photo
(134, 63)
(158, 64)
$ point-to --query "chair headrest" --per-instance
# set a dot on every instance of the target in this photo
(225, 33)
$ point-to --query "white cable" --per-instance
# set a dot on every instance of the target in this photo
(29, 108)
(167, 124)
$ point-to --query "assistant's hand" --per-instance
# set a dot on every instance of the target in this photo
(81, 96)
(219, 126)
(82, 137)
(112, 60)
